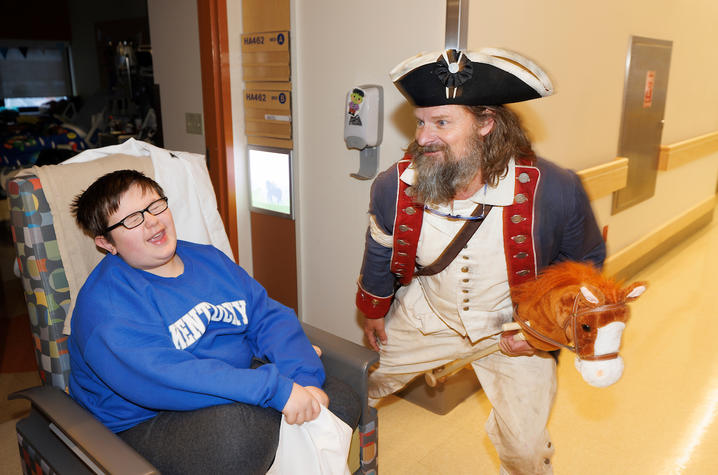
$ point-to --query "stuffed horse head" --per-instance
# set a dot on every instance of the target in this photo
(572, 305)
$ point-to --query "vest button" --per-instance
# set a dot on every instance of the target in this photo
(464, 269)
(409, 210)
(517, 218)
(524, 178)
(520, 239)
(521, 198)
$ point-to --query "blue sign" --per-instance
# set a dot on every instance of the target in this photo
(280, 38)
(282, 98)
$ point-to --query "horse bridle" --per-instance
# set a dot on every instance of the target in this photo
(571, 320)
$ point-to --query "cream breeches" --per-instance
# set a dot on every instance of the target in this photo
(521, 389)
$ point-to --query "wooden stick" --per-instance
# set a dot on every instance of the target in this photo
(433, 377)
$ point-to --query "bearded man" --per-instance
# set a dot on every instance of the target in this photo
(467, 214)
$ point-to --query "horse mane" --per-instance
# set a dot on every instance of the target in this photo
(566, 274)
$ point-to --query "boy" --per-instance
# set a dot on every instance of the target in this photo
(163, 337)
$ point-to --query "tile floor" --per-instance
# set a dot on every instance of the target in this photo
(660, 418)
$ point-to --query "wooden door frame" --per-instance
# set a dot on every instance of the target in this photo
(217, 108)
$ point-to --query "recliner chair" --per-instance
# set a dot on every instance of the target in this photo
(59, 436)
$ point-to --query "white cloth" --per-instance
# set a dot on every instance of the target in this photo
(184, 178)
(318, 447)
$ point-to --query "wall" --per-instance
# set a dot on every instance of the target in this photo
(337, 45)
(234, 31)
(584, 49)
(175, 53)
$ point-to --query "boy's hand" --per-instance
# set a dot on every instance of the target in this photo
(319, 395)
(302, 406)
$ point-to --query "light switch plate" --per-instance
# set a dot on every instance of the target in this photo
(193, 123)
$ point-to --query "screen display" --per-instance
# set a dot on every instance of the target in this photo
(270, 178)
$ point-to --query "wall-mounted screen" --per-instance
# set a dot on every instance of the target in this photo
(270, 180)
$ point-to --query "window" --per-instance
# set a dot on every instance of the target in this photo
(37, 70)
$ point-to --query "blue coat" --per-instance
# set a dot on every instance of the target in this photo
(555, 223)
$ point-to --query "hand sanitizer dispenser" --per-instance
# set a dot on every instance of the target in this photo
(364, 126)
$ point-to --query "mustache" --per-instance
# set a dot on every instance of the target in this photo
(431, 148)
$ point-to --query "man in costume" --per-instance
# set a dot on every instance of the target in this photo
(467, 214)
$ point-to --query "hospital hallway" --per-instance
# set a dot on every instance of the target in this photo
(661, 417)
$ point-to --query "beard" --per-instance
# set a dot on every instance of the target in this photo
(441, 176)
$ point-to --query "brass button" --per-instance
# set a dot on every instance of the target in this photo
(517, 218)
(465, 291)
(374, 302)
(402, 254)
(466, 300)
(464, 280)
(408, 191)
(546, 461)
(520, 239)
(399, 264)
(404, 228)
(464, 269)
(521, 255)
(464, 257)
(409, 210)
(523, 272)
(521, 198)
(524, 178)
(403, 243)
(466, 309)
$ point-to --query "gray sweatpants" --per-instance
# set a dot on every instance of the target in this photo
(229, 438)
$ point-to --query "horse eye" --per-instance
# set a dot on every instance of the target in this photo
(586, 328)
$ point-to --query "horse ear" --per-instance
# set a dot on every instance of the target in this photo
(635, 290)
(588, 295)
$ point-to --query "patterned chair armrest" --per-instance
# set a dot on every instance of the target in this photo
(43, 277)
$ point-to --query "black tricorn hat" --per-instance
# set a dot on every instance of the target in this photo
(488, 77)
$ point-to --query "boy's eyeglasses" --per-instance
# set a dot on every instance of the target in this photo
(138, 217)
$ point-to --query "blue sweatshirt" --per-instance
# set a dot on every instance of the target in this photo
(142, 343)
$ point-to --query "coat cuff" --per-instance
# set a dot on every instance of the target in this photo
(371, 305)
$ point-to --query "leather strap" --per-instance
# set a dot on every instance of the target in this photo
(457, 244)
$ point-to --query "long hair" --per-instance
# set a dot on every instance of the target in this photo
(507, 139)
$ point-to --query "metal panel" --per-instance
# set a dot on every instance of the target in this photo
(647, 66)
(457, 24)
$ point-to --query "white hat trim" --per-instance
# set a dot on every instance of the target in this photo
(520, 66)
(511, 62)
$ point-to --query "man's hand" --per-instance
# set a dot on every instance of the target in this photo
(302, 406)
(511, 347)
(319, 395)
(374, 330)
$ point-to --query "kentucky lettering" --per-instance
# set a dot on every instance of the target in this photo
(191, 326)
